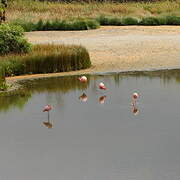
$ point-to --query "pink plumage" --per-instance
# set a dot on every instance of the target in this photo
(83, 79)
(135, 95)
(47, 108)
(102, 86)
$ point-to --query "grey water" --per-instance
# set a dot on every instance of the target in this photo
(98, 139)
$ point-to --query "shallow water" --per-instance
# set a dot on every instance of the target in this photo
(89, 140)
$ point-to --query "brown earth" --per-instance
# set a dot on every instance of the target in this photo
(118, 48)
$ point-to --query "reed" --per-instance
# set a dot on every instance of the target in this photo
(46, 59)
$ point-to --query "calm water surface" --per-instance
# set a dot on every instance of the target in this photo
(89, 140)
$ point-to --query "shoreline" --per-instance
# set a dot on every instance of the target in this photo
(16, 83)
(116, 49)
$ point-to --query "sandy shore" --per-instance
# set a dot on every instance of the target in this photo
(119, 48)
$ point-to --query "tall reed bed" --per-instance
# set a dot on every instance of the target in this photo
(46, 59)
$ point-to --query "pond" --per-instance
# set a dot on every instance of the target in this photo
(95, 135)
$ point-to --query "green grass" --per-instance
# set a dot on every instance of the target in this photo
(33, 11)
(80, 24)
(75, 24)
(46, 59)
(146, 21)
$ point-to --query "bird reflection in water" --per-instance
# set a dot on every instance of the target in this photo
(135, 110)
(102, 99)
(47, 123)
(83, 97)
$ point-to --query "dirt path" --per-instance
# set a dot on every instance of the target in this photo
(121, 48)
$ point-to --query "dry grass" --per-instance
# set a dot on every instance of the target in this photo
(34, 10)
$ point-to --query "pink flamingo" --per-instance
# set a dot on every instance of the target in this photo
(102, 99)
(83, 79)
(47, 108)
(102, 86)
(135, 96)
(83, 97)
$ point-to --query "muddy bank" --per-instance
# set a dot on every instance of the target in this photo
(114, 48)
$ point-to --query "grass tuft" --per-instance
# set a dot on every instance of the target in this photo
(76, 24)
(46, 59)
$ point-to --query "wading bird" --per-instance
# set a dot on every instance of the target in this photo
(102, 86)
(47, 108)
(83, 79)
(135, 96)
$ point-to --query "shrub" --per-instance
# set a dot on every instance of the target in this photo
(76, 24)
(47, 59)
(108, 20)
(172, 20)
(12, 40)
(2, 79)
(150, 21)
(129, 21)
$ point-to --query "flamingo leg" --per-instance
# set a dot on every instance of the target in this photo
(48, 116)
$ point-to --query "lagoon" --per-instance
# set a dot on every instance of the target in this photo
(90, 140)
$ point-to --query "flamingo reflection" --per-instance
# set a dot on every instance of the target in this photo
(48, 124)
(83, 97)
(102, 99)
(135, 110)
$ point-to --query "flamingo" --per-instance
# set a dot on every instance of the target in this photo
(83, 97)
(47, 108)
(135, 96)
(83, 79)
(102, 86)
(102, 99)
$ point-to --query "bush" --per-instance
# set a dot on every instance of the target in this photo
(47, 59)
(12, 40)
(108, 20)
(129, 21)
(76, 24)
(150, 21)
(2, 79)
(172, 20)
